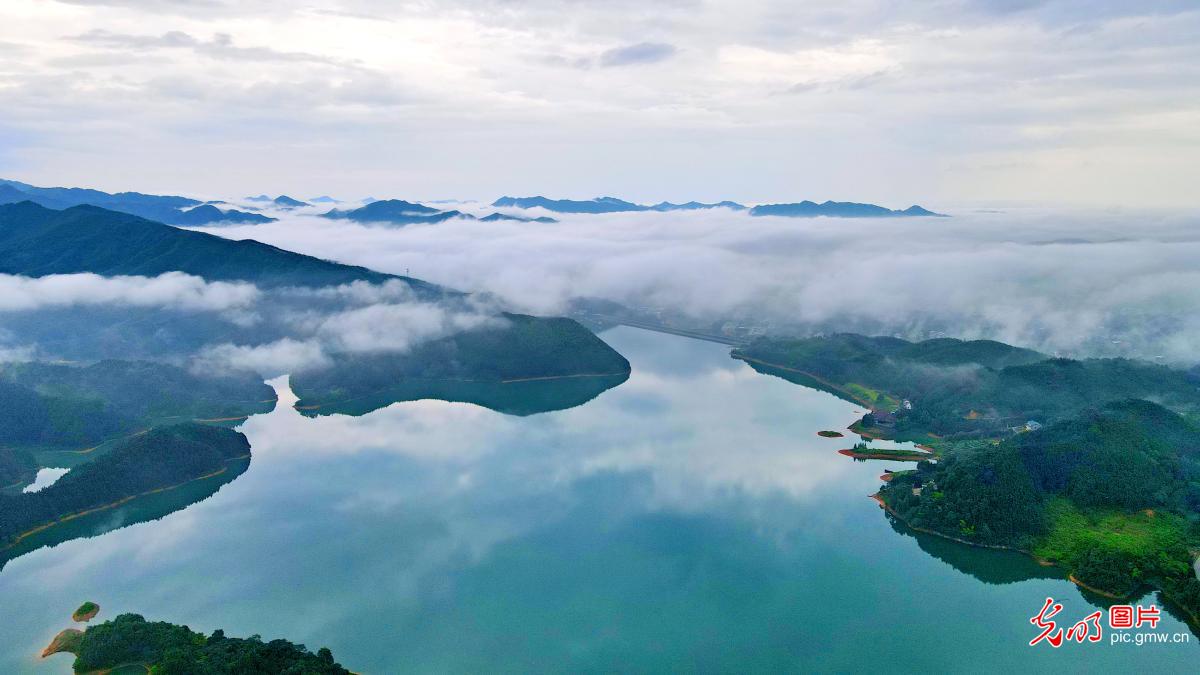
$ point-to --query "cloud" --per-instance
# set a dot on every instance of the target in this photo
(900, 101)
(394, 327)
(635, 54)
(173, 290)
(271, 359)
(1057, 280)
(360, 317)
(219, 46)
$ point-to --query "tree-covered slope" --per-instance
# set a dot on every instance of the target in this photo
(71, 407)
(523, 348)
(963, 389)
(16, 466)
(36, 241)
(1112, 495)
(168, 649)
(157, 459)
(163, 208)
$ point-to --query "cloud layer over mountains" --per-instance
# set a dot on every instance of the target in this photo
(224, 325)
(1075, 282)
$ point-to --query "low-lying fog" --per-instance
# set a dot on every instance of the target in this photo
(1070, 282)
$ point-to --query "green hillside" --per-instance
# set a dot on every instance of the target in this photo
(158, 459)
(160, 647)
(526, 348)
(1112, 495)
(964, 389)
(50, 406)
(36, 241)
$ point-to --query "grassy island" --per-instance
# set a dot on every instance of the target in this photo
(862, 451)
(130, 641)
(830, 434)
(86, 612)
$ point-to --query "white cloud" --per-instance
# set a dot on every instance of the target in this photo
(271, 359)
(173, 290)
(1056, 280)
(1056, 101)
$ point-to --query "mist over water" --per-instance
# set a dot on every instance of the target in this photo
(1112, 283)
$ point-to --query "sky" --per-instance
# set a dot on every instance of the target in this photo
(937, 102)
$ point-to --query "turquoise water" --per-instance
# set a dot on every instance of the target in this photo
(689, 519)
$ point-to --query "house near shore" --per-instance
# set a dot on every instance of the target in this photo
(882, 418)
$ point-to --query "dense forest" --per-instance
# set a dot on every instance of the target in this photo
(16, 466)
(161, 458)
(168, 649)
(524, 347)
(965, 389)
(59, 406)
(1113, 495)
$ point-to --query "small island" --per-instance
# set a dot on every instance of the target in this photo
(86, 612)
(862, 451)
(830, 434)
(129, 641)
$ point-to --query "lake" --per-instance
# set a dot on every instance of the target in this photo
(689, 519)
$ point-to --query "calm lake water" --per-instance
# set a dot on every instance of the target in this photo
(688, 520)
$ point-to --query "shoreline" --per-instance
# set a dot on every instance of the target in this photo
(120, 502)
(914, 457)
(861, 401)
(1041, 561)
(544, 378)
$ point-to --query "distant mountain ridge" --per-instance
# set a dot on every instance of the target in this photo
(170, 209)
(798, 209)
(401, 212)
(37, 241)
(810, 209)
(207, 214)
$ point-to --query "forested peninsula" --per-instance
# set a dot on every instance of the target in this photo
(159, 459)
(1093, 465)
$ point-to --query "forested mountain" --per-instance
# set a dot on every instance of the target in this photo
(396, 212)
(159, 458)
(16, 466)
(286, 202)
(597, 205)
(36, 241)
(961, 389)
(520, 219)
(809, 209)
(796, 210)
(207, 214)
(168, 649)
(1113, 495)
(71, 407)
(525, 349)
(163, 208)
(400, 212)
